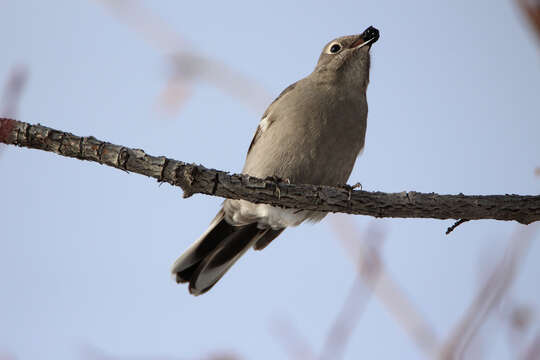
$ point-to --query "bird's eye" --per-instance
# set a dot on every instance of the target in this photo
(335, 48)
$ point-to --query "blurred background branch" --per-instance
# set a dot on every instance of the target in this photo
(290, 339)
(7, 356)
(532, 351)
(11, 96)
(385, 288)
(89, 352)
(368, 268)
(531, 11)
(187, 66)
(489, 295)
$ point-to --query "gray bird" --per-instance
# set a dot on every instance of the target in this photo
(311, 134)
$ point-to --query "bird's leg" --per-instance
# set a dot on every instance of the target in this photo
(278, 180)
(351, 188)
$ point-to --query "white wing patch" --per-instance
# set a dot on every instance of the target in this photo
(263, 125)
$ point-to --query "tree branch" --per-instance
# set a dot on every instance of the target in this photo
(198, 179)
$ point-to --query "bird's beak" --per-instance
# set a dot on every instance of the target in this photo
(367, 38)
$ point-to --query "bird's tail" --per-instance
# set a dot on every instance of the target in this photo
(209, 258)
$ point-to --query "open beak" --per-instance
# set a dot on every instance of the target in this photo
(367, 38)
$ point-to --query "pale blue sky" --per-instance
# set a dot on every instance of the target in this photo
(85, 249)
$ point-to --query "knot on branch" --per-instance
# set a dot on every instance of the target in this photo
(185, 177)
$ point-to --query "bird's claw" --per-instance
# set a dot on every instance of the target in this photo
(350, 188)
(277, 179)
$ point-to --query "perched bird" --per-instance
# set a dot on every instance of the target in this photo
(311, 134)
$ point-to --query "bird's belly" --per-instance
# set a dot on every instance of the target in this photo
(242, 212)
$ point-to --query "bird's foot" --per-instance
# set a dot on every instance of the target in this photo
(350, 188)
(277, 179)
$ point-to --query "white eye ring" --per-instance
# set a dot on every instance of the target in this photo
(334, 48)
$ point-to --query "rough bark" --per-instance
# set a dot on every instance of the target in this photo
(199, 179)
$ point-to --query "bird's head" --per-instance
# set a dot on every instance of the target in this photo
(347, 58)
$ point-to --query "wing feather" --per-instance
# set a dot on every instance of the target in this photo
(267, 118)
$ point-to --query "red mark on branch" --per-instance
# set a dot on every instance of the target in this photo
(6, 126)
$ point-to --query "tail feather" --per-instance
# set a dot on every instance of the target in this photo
(185, 265)
(214, 266)
(209, 258)
(267, 238)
